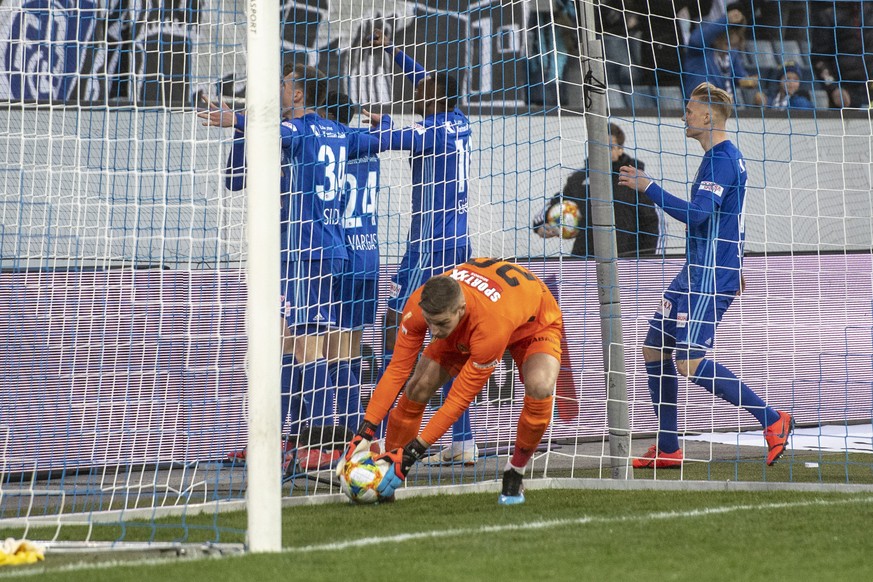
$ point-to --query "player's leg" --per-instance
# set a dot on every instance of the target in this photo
(663, 384)
(540, 364)
(703, 319)
(398, 294)
(357, 308)
(313, 314)
(404, 420)
(348, 388)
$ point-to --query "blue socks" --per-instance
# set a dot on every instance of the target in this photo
(664, 388)
(348, 392)
(722, 382)
(318, 391)
(290, 405)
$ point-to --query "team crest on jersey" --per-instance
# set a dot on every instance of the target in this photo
(419, 129)
(712, 187)
(463, 349)
(480, 283)
(681, 319)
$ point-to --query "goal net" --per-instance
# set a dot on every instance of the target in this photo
(123, 293)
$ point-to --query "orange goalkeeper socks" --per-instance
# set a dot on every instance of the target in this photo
(532, 424)
(404, 422)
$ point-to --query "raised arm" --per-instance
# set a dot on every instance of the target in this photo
(411, 69)
(696, 212)
(235, 171)
(413, 138)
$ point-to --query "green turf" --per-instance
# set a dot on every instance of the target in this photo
(556, 535)
(854, 468)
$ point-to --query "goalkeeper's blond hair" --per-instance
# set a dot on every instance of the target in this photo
(719, 100)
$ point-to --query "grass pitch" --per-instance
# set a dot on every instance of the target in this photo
(556, 535)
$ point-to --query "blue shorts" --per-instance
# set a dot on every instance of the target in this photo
(357, 301)
(686, 322)
(308, 304)
(416, 268)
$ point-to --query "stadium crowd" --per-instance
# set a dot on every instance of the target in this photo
(764, 53)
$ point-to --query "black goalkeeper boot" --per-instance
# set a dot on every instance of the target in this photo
(513, 489)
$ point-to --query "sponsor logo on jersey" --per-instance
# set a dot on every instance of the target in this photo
(403, 329)
(394, 290)
(419, 129)
(480, 283)
(479, 366)
(681, 319)
(712, 187)
(407, 315)
(665, 307)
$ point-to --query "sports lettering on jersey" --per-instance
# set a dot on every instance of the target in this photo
(478, 282)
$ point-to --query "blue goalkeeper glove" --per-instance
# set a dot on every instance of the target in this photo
(401, 461)
(359, 444)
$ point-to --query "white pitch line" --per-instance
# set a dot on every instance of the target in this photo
(447, 533)
(535, 525)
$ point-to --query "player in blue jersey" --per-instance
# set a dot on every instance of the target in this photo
(710, 280)
(314, 155)
(357, 287)
(438, 240)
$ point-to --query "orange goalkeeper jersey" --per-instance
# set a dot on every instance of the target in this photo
(507, 307)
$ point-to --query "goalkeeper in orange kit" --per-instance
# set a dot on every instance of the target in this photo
(474, 313)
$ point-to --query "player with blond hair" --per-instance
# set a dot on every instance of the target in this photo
(710, 280)
(474, 313)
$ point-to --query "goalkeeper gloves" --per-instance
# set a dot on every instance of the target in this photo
(360, 443)
(401, 461)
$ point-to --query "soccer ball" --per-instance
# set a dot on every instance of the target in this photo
(565, 216)
(360, 477)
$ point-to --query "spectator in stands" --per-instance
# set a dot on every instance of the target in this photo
(553, 54)
(841, 37)
(766, 17)
(714, 55)
(637, 223)
(657, 36)
(790, 94)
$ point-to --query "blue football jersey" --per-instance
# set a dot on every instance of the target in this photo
(359, 215)
(315, 152)
(715, 247)
(439, 149)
